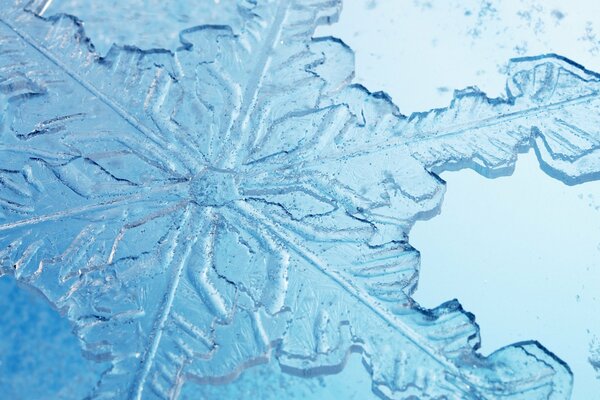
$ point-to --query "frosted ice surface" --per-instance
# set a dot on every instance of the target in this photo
(151, 23)
(197, 212)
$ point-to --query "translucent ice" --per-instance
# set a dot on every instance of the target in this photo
(197, 212)
(551, 104)
(151, 23)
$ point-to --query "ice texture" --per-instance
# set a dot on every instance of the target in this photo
(153, 23)
(551, 104)
(197, 212)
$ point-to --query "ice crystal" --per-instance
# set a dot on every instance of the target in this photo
(551, 105)
(197, 212)
(153, 23)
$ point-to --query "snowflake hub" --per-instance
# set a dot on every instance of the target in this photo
(214, 188)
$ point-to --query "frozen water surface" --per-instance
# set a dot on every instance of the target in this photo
(235, 201)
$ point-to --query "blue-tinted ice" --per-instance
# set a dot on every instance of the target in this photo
(200, 211)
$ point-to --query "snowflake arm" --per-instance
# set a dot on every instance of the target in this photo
(152, 197)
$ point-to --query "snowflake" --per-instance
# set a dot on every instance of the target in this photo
(197, 212)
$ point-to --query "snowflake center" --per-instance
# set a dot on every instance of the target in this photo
(214, 188)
